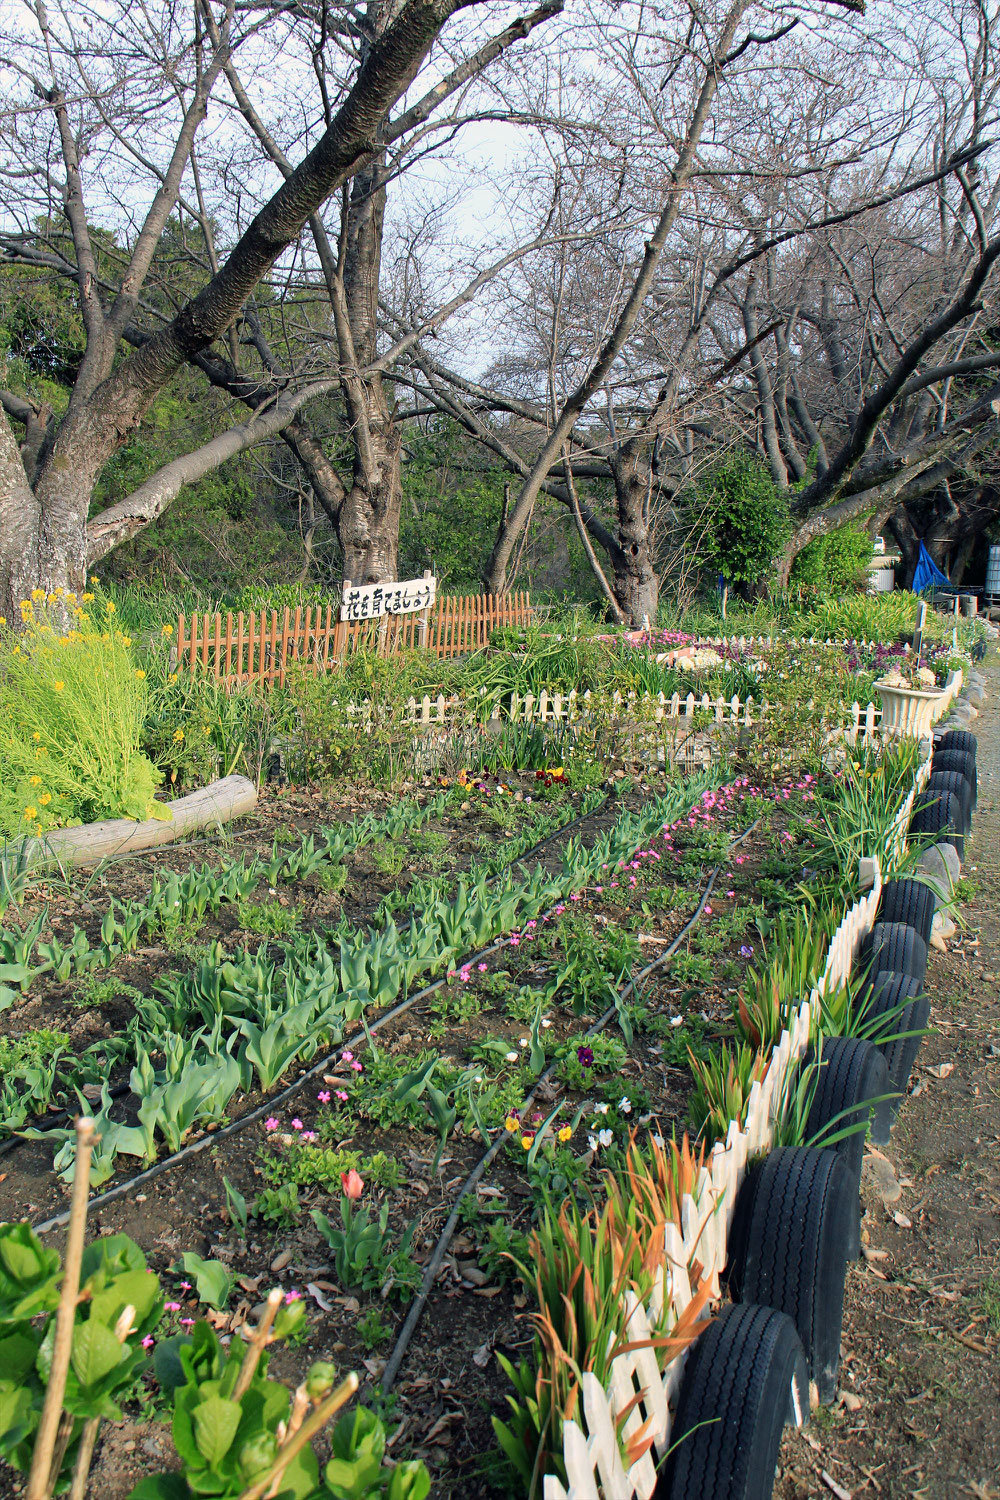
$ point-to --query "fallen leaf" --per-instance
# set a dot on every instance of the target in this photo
(318, 1297)
(902, 1220)
(940, 1070)
(482, 1355)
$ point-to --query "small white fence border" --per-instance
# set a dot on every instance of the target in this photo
(592, 1459)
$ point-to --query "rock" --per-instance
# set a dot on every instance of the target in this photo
(941, 928)
(974, 693)
(902, 1220)
(933, 870)
(949, 854)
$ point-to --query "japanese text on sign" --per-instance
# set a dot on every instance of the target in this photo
(371, 601)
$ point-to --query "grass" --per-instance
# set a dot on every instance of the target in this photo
(268, 919)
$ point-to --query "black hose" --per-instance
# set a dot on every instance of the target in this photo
(210, 1137)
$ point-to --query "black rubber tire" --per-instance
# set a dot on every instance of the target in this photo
(895, 946)
(881, 993)
(954, 782)
(940, 813)
(908, 901)
(789, 1248)
(960, 761)
(851, 1073)
(901, 1053)
(958, 739)
(744, 1378)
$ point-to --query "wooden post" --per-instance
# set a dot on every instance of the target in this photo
(918, 634)
(424, 618)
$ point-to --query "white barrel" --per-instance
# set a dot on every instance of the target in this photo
(992, 589)
(881, 577)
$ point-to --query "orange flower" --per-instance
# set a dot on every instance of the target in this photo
(352, 1184)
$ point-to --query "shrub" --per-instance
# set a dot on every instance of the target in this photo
(836, 563)
(744, 517)
(72, 705)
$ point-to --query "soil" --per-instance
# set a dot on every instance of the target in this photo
(919, 1414)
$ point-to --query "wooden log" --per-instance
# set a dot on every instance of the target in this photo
(217, 803)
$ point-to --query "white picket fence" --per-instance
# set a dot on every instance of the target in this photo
(592, 1452)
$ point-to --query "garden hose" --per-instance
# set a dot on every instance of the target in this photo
(415, 1313)
(211, 1137)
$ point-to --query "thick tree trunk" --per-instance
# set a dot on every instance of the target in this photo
(368, 523)
(636, 583)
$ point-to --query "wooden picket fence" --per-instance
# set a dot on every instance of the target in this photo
(261, 646)
(591, 1449)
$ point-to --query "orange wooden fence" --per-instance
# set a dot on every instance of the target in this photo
(262, 646)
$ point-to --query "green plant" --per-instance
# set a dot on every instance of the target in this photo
(279, 1206)
(373, 1330)
(213, 1282)
(236, 1206)
(29, 1072)
(741, 517)
(584, 1058)
(359, 1246)
(269, 919)
(722, 1083)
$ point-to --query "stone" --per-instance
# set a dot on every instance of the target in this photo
(933, 871)
(879, 1169)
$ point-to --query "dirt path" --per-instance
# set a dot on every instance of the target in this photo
(919, 1413)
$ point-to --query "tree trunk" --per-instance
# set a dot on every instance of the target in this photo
(368, 524)
(636, 583)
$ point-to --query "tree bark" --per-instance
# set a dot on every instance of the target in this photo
(636, 582)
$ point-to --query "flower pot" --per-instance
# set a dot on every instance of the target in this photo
(910, 711)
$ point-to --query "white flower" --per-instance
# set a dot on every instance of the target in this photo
(605, 1137)
(592, 1142)
(677, 1020)
(625, 1105)
(523, 1042)
(657, 1141)
(546, 1025)
(510, 1057)
(600, 1109)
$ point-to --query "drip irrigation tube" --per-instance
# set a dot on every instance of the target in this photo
(212, 1137)
(440, 1249)
(120, 1090)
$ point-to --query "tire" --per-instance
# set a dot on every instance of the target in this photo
(895, 946)
(910, 902)
(941, 813)
(881, 994)
(958, 739)
(743, 1380)
(901, 1053)
(961, 761)
(851, 1073)
(791, 1244)
(954, 782)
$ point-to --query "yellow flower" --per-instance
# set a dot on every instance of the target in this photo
(126, 640)
(178, 735)
(64, 640)
(140, 674)
(3, 619)
(526, 1141)
(172, 677)
(168, 630)
(35, 780)
(205, 729)
(565, 1133)
(109, 606)
(94, 579)
(38, 593)
(45, 798)
(37, 734)
(58, 686)
(511, 1123)
(54, 598)
(30, 812)
(71, 596)
(86, 598)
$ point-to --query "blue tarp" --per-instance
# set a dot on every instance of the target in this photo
(927, 574)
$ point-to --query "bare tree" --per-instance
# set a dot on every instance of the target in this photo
(78, 97)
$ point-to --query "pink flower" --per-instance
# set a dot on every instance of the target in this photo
(185, 1286)
(708, 911)
(515, 942)
(347, 1056)
(342, 1096)
(481, 968)
(730, 893)
(352, 1183)
(323, 1096)
(271, 1123)
(357, 1067)
(297, 1123)
(308, 1135)
(172, 1306)
(575, 896)
(187, 1322)
(148, 1341)
(292, 1296)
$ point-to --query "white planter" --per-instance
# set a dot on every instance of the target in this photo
(910, 711)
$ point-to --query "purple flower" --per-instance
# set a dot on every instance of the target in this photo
(585, 1057)
(746, 951)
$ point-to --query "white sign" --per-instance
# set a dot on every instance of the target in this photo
(371, 601)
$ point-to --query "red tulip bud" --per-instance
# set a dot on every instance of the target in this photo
(352, 1183)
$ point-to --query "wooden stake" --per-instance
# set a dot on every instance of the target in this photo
(39, 1487)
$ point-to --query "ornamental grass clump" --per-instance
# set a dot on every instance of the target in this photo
(72, 705)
